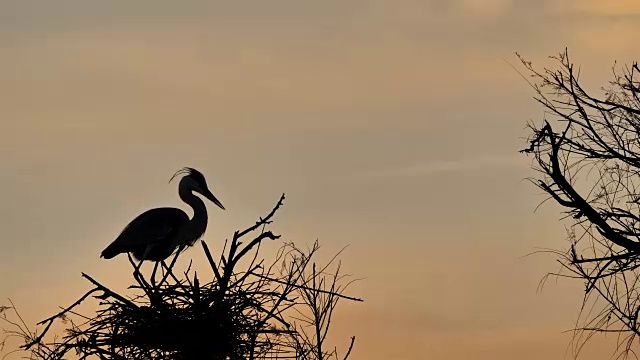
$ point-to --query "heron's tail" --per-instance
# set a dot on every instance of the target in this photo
(110, 252)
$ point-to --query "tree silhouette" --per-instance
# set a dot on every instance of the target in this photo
(248, 309)
(587, 152)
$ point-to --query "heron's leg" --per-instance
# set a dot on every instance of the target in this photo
(163, 267)
(136, 268)
(153, 274)
(169, 268)
(144, 257)
(137, 272)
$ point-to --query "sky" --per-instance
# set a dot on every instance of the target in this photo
(392, 126)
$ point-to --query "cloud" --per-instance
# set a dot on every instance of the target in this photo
(442, 166)
(616, 7)
(486, 8)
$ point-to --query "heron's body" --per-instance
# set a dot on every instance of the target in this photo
(155, 234)
(150, 230)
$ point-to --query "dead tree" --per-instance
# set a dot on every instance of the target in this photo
(587, 152)
(248, 309)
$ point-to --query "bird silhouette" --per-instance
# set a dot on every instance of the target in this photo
(156, 234)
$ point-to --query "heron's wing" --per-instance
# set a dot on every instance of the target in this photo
(149, 228)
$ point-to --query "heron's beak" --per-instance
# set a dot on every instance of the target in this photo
(211, 197)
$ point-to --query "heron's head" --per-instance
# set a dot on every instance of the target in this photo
(194, 180)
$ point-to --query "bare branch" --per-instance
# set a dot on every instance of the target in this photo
(587, 151)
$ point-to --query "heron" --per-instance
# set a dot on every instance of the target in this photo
(156, 233)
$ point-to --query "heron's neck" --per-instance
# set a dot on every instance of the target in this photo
(199, 220)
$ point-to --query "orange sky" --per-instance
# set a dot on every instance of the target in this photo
(392, 127)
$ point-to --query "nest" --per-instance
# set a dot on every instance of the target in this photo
(238, 314)
(182, 321)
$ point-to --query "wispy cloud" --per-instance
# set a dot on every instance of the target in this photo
(441, 166)
(617, 7)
